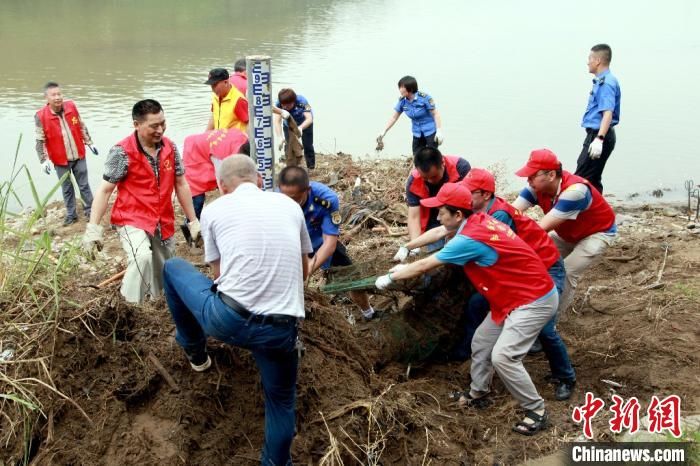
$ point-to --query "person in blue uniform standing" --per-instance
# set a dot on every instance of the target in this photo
(420, 108)
(600, 118)
(299, 109)
(321, 211)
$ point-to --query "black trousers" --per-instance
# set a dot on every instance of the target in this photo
(424, 141)
(590, 169)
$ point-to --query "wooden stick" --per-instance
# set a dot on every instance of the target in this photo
(161, 370)
(112, 279)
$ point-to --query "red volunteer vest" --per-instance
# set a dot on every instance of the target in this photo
(599, 217)
(517, 278)
(197, 152)
(529, 231)
(54, 137)
(141, 201)
(419, 188)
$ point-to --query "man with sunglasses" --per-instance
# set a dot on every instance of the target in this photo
(577, 217)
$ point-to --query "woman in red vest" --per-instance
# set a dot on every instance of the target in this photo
(514, 281)
(577, 216)
(145, 168)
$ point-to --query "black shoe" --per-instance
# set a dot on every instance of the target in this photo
(199, 360)
(535, 348)
(69, 221)
(564, 390)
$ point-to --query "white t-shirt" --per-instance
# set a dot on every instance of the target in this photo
(259, 238)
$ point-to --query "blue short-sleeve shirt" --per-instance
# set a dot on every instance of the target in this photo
(605, 96)
(297, 112)
(418, 110)
(322, 214)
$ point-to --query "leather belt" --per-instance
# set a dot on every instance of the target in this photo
(269, 319)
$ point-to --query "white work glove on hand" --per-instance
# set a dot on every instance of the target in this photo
(402, 254)
(383, 282)
(92, 238)
(195, 230)
(439, 138)
(595, 149)
(47, 166)
(284, 114)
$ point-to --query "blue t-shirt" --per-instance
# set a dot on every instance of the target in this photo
(321, 213)
(604, 96)
(462, 249)
(418, 110)
(297, 112)
(501, 215)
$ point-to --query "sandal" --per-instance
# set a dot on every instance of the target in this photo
(464, 400)
(539, 423)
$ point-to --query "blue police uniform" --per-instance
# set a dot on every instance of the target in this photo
(322, 215)
(307, 138)
(422, 121)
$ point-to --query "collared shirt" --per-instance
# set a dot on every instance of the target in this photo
(567, 205)
(259, 238)
(605, 96)
(68, 140)
(501, 215)
(117, 162)
(418, 110)
(321, 213)
(462, 249)
(300, 107)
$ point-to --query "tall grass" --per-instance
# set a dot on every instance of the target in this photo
(32, 277)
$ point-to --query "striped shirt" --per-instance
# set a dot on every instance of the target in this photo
(260, 238)
(567, 205)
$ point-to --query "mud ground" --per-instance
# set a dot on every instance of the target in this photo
(365, 396)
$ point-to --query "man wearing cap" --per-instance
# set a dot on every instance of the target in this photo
(601, 115)
(321, 212)
(482, 185)
(145, 168)
(577, 217)
(229, 108)
(432, 170)
(520, 292)
(61, 137)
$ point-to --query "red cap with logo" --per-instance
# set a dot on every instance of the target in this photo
(451, 194)
(480, 178)
(540, 159)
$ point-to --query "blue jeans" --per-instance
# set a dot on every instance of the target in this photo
(198, 312)
(198, 204)
(553, 346)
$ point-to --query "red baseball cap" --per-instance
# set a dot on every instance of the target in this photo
(480, 178)
(452, 194)
(540, 159)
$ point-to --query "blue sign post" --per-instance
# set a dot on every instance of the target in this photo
(260, 115)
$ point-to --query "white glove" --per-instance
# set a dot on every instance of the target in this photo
(92, 237)
(195, 230)
(47, 166)
(415, 251)
(397, 268)
(439, 137)
(402, 254)
(383, 282)
(595, 149)
(284, 114)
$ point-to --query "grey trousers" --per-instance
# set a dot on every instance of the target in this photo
(577, 258)
(145, 256)
(79, 170)
(501, 348)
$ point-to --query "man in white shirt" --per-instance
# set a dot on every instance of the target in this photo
(256, 243)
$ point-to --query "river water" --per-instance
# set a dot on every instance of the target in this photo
(508, 76)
